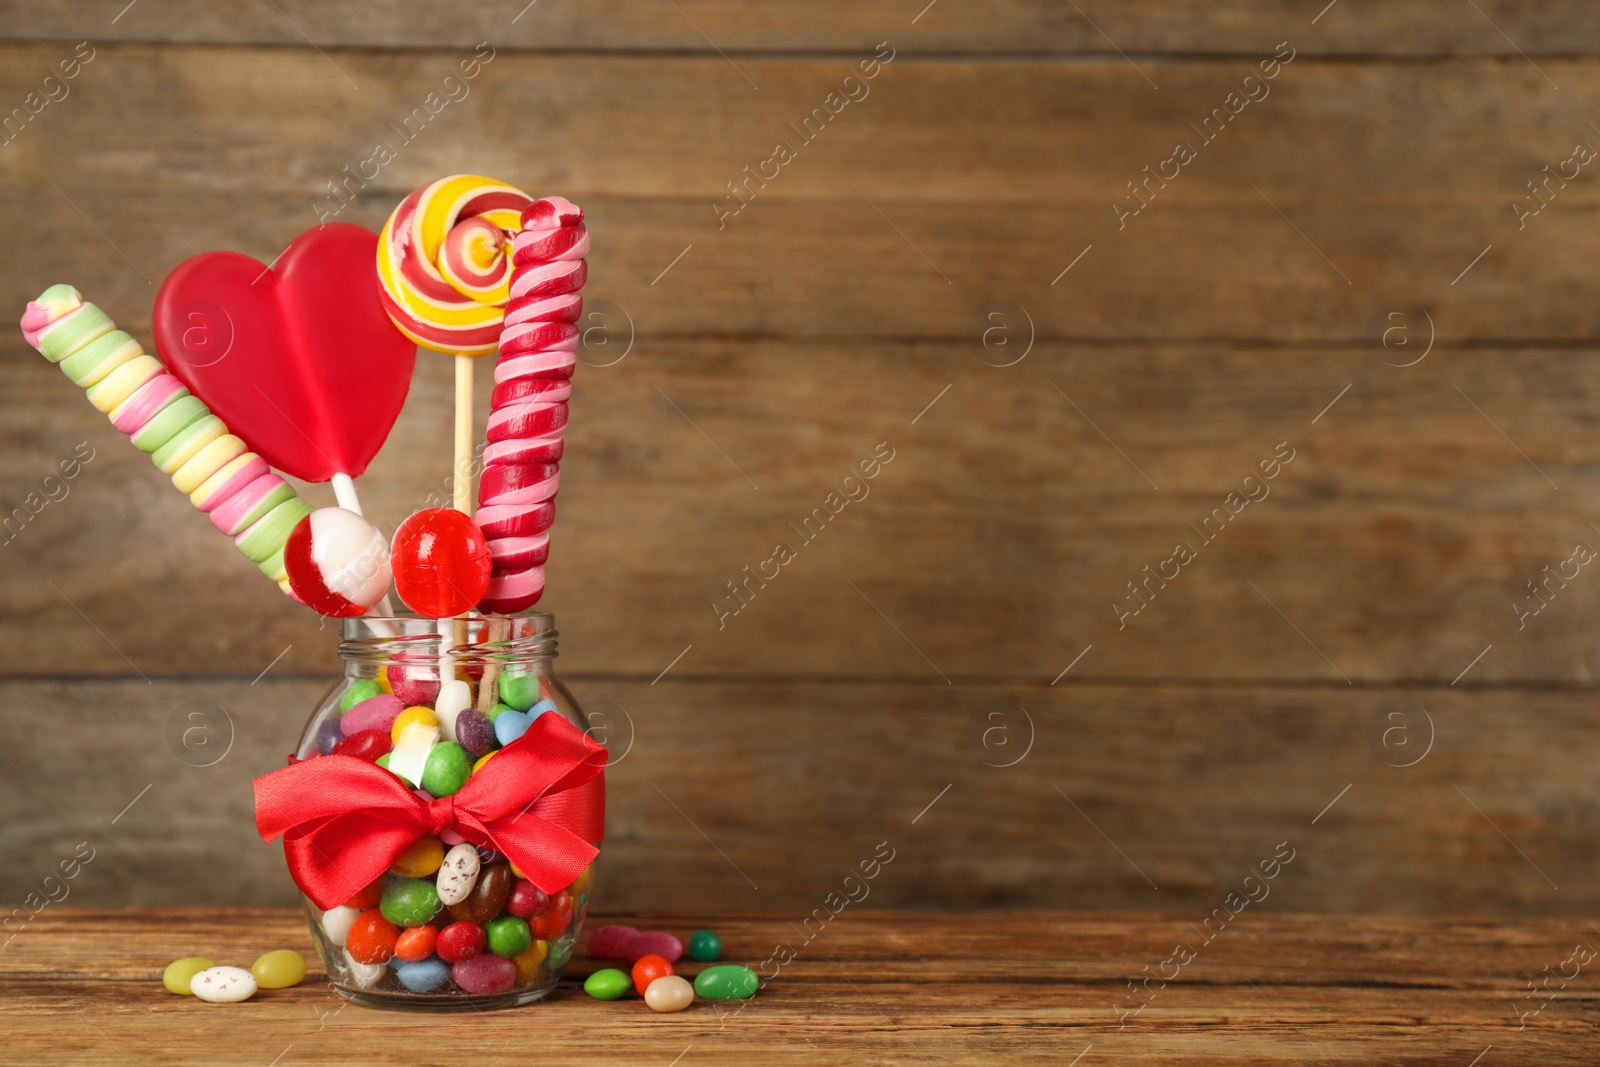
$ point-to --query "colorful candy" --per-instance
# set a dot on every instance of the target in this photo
(726, 981)
(447, 769)
(658, 943)
(461, 940)
(336, 924)
(607, 984)
(409, 901)
(221, 476)
(611, 942)
(485, 975)
(488, 897)
(508, 936)
(528, 411)
(371, 938)
(647, 969)
(458, 873)
(704, 946)
(223, 985)
(423, 976)
(180, 972)
(279, 970)
(416, 943)
(441, 562)
(338, 563)
(669, 993)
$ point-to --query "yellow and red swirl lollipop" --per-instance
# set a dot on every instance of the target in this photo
(444, 262)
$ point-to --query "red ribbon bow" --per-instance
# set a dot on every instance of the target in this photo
(345, 821)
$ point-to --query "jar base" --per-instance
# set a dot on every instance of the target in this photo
(371, 998)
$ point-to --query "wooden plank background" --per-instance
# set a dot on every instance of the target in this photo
(1357, 219)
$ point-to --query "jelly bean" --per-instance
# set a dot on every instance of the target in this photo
(508, 936)
(371, 938)
(726, 981)
(365, 975)
(383, 679)
(421, 860)
(360, 689)
(655, 942)
(328, 735)
(481, 761)
(549, 923)
(488, 896)
(583, 883)
(494, 712)
(511, 725)
(669, 993)
(611, 942)
(519, 690)
(475, 732)
(336, 923)
(223, 985)
(458, 874)
(704, 946)
(367, 898)
(423, 976)
(526, 899)
(418, 714)
(415, 683)
(528, 963)
(180, 972)
(374, 713)
(280, 969)
(416, 943)
(364, 744)
(608, 984)
(485, 975)
(447, 769)
(460, 941)
(543, 707)
(647, 969)
(409, 901)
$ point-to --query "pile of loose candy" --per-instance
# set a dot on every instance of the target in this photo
(201, 977)
(652, 954)
(448, 917)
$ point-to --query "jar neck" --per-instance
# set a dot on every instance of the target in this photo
(527, 640)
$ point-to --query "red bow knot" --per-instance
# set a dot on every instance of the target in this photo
(344, 821)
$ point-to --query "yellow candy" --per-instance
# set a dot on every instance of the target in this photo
(422, 716)
(584, 882)
(420, 860)
(482, 760)
(383, 679)
(528, 963)
(206, 462)
(120, 384)
(280, 969)
(179, 973)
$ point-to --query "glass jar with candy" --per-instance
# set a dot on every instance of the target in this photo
(442, 813)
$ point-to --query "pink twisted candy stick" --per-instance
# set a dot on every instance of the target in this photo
(528, 412)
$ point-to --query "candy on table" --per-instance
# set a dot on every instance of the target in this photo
(655, 942)
(669, 993)
(528, 411)
(704, 946)
(179, 973)
(611, 942)
(726, 981)
(647, 969)
(337, 562)
(441, 562)
(223, 985)
(218, 472)
(279, 969)
(485, 975)
(458, 873)
(607, 984)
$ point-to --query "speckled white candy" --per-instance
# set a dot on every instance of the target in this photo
(336, 923)
(365, 975)
(458, 874)
(223, 985)
(455, 696)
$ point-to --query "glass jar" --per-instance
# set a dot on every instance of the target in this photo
(379, 949)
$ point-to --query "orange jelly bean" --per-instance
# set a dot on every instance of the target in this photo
(528, 963)
(416, 943)
(372, 938)
(367, 898)
(550, 922)
(648, 969)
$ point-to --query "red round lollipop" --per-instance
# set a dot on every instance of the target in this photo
(441, 562)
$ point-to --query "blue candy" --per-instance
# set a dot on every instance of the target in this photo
(424, 976)
(510, 725)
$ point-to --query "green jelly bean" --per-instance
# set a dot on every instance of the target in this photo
(727, 981)
(447, 770)
(280, 969)
(361, 689)
(494, 712)
(509, 936)
(608, 984)
(704, 946)
(409, 901)
(179, 973)
(520, 691)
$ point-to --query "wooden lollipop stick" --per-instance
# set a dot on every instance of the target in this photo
(463, 468)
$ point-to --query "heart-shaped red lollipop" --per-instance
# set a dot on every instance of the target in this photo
(299, 359)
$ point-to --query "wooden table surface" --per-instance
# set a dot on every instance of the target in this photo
(83, 985)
